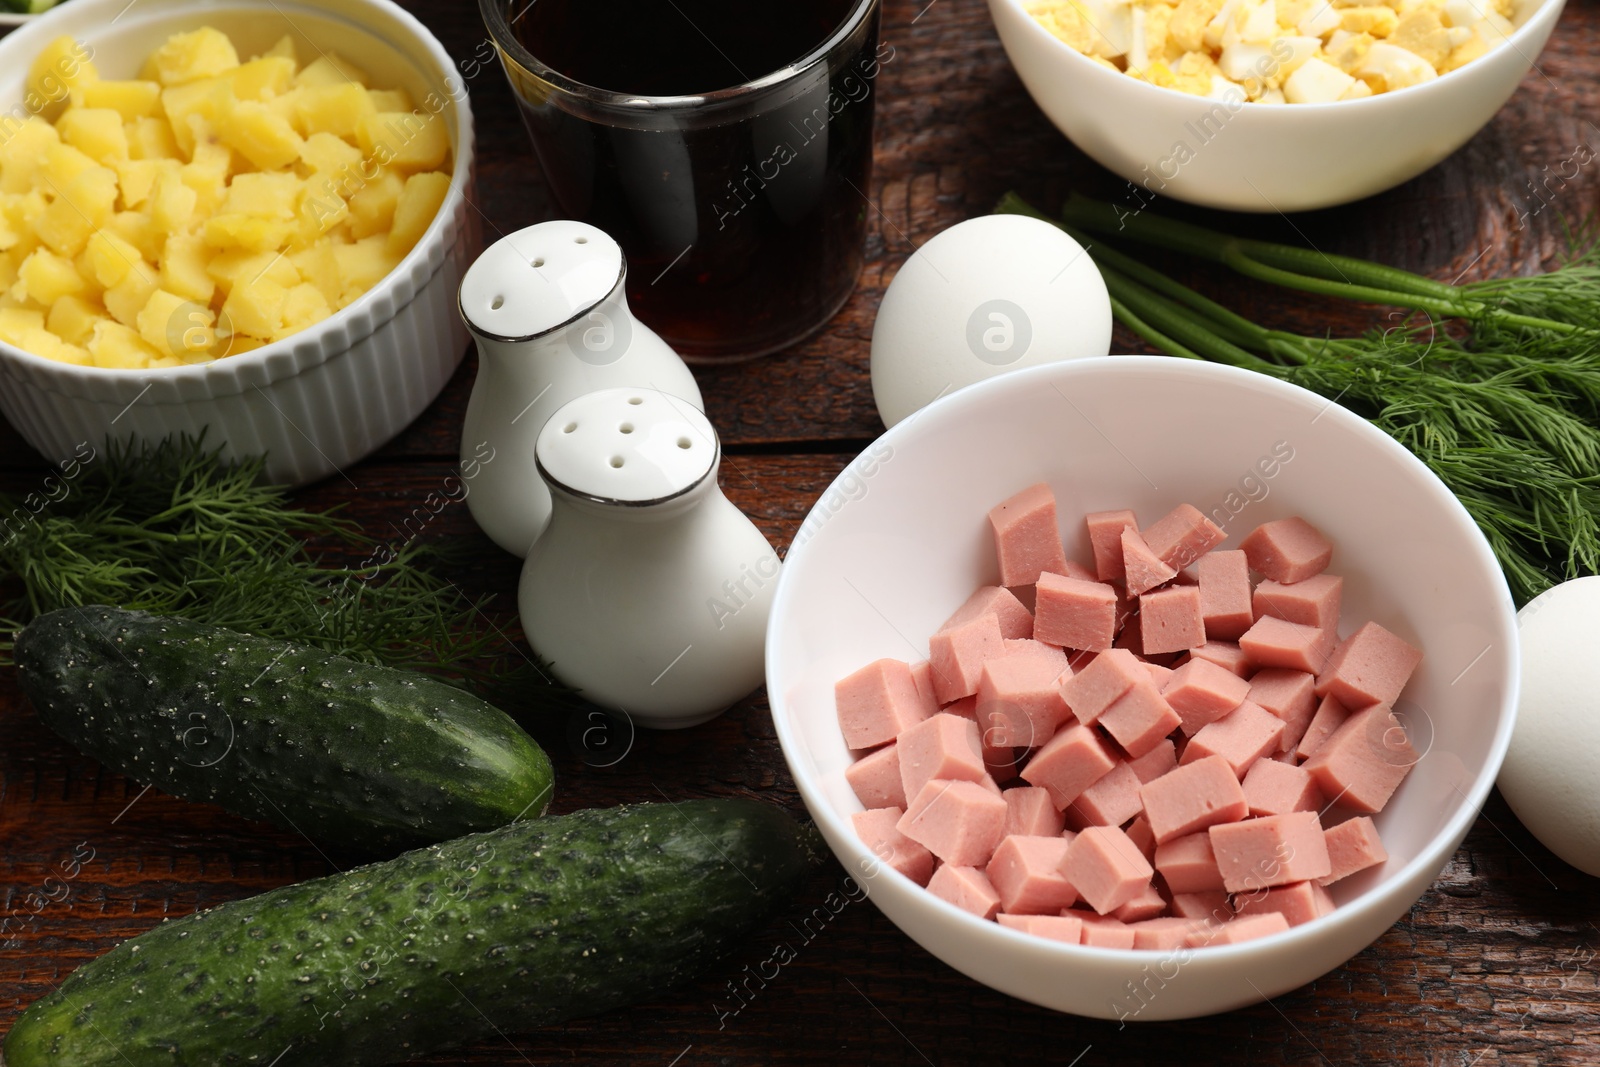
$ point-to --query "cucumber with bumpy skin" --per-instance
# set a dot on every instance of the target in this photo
(353, 755)
(503, 931)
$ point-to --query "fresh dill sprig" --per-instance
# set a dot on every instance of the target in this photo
(1507, 416)
(171, 529)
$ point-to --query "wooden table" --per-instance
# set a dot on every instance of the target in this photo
(1496, 964)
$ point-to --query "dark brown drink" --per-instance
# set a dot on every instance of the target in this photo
(725, 145)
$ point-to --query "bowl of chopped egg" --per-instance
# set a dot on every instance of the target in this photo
(247, 218)
(1270, 105)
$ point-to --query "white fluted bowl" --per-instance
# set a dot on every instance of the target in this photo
(323, 398)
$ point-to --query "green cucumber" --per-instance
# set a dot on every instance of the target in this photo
(504, 931)
(352, 755)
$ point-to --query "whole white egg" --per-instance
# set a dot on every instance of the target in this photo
(985, 296)
(1549, 774)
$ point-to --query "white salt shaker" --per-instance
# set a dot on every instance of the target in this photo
(547, 307)
(649, 590)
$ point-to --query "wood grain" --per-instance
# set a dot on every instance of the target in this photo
(1496, 964)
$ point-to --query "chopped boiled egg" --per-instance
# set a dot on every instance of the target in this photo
(1316, 82)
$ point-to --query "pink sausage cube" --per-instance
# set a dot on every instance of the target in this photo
(1143, 569)
(1202, 692)
(1147, 904)
(1073, 760)
(1105, 535)
(958, 821)
(1170, 620)
(1019, 703)
(944, 746)
(1164, 933)
(1030, 813)
(1182, 536)
(1353, 846)
(1026, 872)
(1029, 647)
(1026, 536)
(1073, 613)
(1106, 868)
(1329, 717)
(1225, 654)
(1272, 850)
(1364, 761)
(1274, 643)
(1156, 762)
(1193, 797)
(1298, 903)
(1247, 928)
(1240, 737)
(1097, 686)
(875, 778)
(1287, 550)
(1210, 905)
(957, 656)
(1273, 788)
(1015, 620)
(1111, 801)
(922, 678)
(1068, 928)
(1288, 695)
(1102, 931)
(1140, 719)
(967, 888)
(1188, 864)
(1138, 832)
(876, 828)
(1158, 674)
(1370, 666)
(1225, 594)
(1313, 602)
(877, 702)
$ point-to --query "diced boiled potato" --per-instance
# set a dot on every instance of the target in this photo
(136, 178)
(44, 343)
(16, 321)
(363, 264)
(152, 138)
(268, 194)
(404, 140)
(372, 207)
(183, 267)
(329, 155)
(173, 202)
(265, 139)
(255, 306)
(424, 194)
(284, 48)
(111, 258)
(174, 326)
(82, 204)
(45, 277)
(23, 154)
(330, 69)
(207, 174)
(336, 109)
(303, 306)
(264, 78)
(210, 99)
(320, 209)
(62, 165)
(136, 228)
(131, 99)
(117, 346)
(96, 132)
(128, 297)
(188, 57)
(248, 232)
(319, 266)
(237, 266)
(73, 319)
(60, 66)
(391, 100)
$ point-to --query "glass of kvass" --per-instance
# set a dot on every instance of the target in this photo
(726, 145)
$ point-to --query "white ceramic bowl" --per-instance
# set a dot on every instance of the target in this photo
(901, 539)
(329, 395)
(1253, 157)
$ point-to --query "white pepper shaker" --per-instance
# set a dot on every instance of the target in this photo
(649, 590)
(547, 308)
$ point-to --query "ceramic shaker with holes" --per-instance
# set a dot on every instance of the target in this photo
(547, 309)
(648, 590)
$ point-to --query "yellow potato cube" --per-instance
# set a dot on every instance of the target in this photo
(284, 48)
(10, 236)
(60, 66)
(247, 232)
(304, 306)
(174, 326)
(320, 209)
(15, 323)
(95, 131)
(404, 140)
(210, 99)
(188, 57)
(391, 100)
(237, 266)
(328, 155)
(265, 139)
(330, 69)
(207, 175)
(255, 306)
(23, 153)
(283, 105)
(128, 297)
(62, 166)
(173, 202)
(116, 346)
(320, 267)
(136, 178)
(264, 78)
(363, 265)
(136, 228)
(151, 138)
(336, 109)
(268, 194)
(423, 196)
(132, 100)
(84, 204)
(44, 343)
(372, 207)
(183, 267)
(111, 257)
(73, 319)
(45, 277)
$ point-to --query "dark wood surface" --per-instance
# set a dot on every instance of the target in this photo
(1496, 964)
